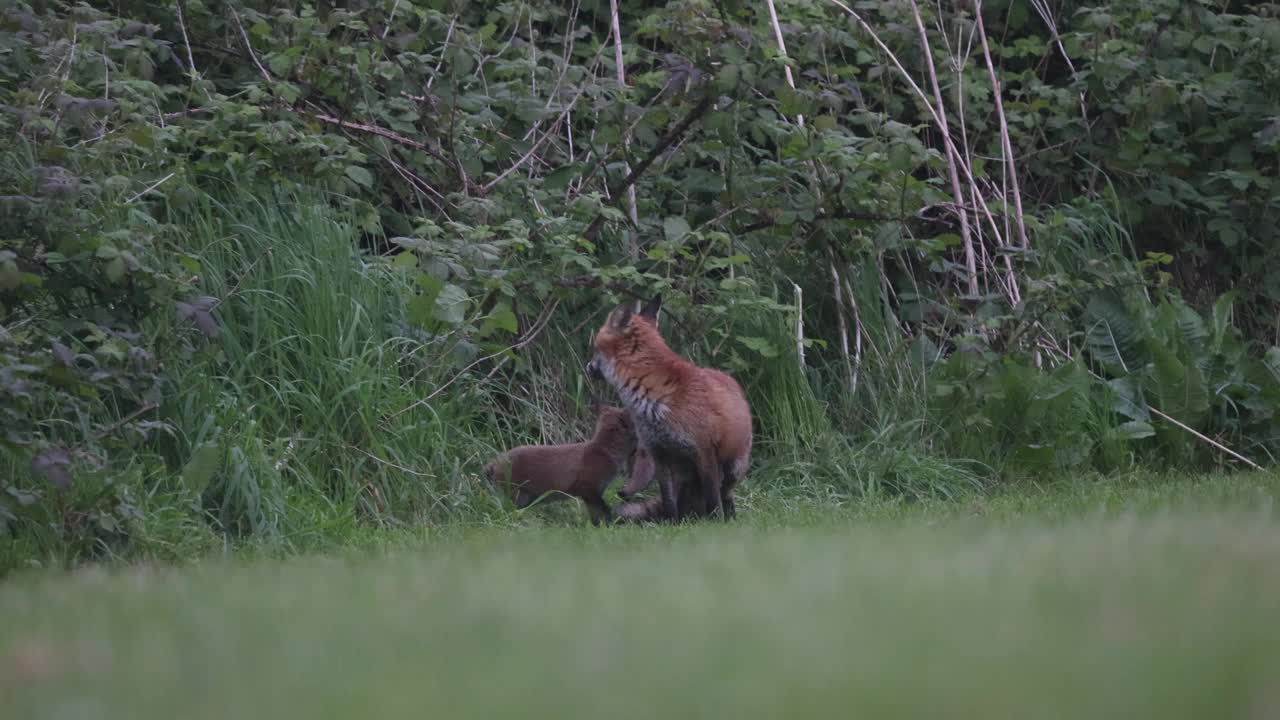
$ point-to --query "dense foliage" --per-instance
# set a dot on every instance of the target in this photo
(270, 268)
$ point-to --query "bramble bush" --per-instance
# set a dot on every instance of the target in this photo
(286, 270)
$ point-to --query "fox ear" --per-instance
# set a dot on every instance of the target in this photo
(621, 315)
(651, 308)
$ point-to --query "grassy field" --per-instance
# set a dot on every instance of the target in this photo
(1141, 598)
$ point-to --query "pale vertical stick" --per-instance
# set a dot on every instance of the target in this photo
(799, 324)
(997, 91)
(633, 249)
(857, 334)
(844, 328)
(782, 48)
(966, 238)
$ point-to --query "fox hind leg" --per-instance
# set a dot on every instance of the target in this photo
(726, 491)
(711, 477)
(669, 487)
(733, 472)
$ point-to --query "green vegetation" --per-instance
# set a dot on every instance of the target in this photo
(1149, 597)
(282, 276)
(276, 279)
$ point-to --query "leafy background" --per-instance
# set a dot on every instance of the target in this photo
(274, 272)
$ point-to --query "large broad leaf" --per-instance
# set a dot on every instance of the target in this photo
(1271, 361)
(1181, 330)
(674, 228)
(451, 304)
(1178, 388)
(1134, 430)
(1190, 324)
(1114, 335)
(1221, 318)
(1127, 400)
(205, 461)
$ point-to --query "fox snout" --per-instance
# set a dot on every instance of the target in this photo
(593, 368)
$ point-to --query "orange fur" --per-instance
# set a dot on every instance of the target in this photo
(582, 470)
(694, 421)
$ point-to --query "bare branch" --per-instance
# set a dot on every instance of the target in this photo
(249, 46)
(375, 130)
(667, 141)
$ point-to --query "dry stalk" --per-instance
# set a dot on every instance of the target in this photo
(1010, 165)
(782, 50)
(844, 328)
(799, 294)
(902, 71)
(633, 249)
(249, 47)
(966, 235)
(858, 333)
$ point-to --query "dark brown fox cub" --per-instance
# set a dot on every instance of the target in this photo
(582, 469)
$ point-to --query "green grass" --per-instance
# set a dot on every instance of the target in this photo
(1147, 597)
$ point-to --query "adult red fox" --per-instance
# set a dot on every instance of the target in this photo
(582, 469)
(694, 421)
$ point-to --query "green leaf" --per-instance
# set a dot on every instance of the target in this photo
(10, 276)
(792, 103)
(463, 63)
(205, 461)
(451, 304)
(502, 318)
(1178, 388)
(1221, 317)
(674, 228)
(421, 310)
(760, 345)
(280, 64)
(1134, 430)
(1190, 323)
(115, 269)
(359, 176)
(430, 284)
(1113, 336)
(901, 157)
(557, 180)
(727, 79)
(1126, 393)
(505, 319)
(1271, 361)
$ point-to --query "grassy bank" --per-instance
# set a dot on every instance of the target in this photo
(1147, 598)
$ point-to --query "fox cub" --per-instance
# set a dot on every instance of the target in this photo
(581, 469)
